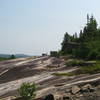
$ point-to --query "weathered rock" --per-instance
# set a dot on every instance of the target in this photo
(21, 98)
(87, 88)
(92, 89)
(66, 98)
(98, 92)
(49, 97)
(75, 89)
(58, 96)
(61, 84)
(67, 90)
(9, 98)
(98, 86)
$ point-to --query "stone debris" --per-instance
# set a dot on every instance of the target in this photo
(74, 93)
(49, 97)
(87, 88)
(75, 89)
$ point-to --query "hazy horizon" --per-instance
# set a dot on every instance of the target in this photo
(37, 26)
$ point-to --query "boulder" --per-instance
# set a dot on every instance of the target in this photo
(9, 98)
(58, 96)
(75, 89)
(98, 86)
(67, 90)
(87, 88)
(66, 98)
(49, 97)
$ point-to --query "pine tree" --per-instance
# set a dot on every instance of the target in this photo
(90, 30)
(88, 18)
(88, 40)
(65, 41)
(12, 56)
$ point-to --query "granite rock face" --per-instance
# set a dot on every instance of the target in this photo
(86, 92)
(75, 89)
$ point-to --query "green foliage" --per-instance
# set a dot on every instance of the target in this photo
(90, 69)
(27, 91)
(54, 54)
(12, 56)
(82, 51)
(89, 40)
(74, 62)
(2, 59)
(88, 50)
(67, 39)
(86, 69)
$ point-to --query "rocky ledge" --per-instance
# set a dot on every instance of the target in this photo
(76, 92)
(85, 92)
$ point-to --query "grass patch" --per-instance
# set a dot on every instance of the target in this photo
(74, 62)
(85, 67)
(2, 59)
(89, 69)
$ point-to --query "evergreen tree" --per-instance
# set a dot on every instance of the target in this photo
(90, 30)
(65, 41)
(89, 40)
(88, 18)
(12, 56)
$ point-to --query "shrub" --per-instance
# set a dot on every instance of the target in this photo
(12, 57)
(1, 58)
(54, 54)
(98, 56)
(90, 69)
(92, 55)
(74, 63)
(27, 91)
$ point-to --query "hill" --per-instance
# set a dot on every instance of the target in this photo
(16, 55)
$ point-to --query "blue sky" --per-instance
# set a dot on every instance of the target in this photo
(38, 26)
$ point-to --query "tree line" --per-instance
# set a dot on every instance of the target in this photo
(88, 40)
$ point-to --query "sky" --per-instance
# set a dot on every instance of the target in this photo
(37, 26)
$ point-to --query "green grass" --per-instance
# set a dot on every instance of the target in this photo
(74, 62)
(90, 69)
(85, 67)
(2, 59)
(93, 69)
